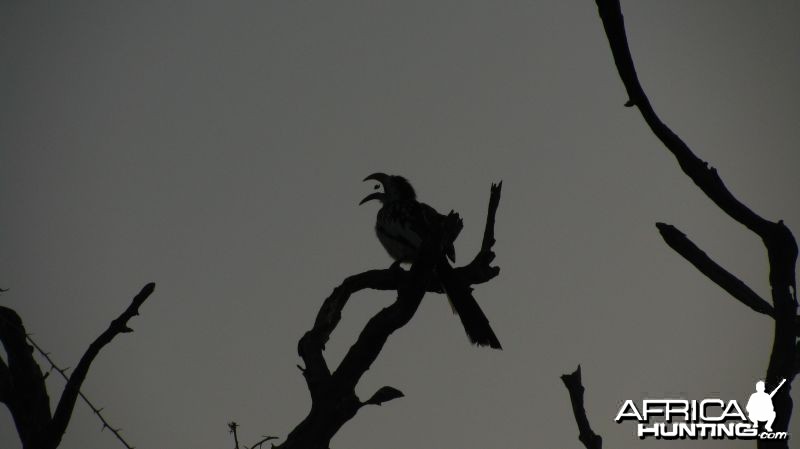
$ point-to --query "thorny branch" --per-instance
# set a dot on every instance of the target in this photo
(97, 411)
(65, 405)
(28, 401)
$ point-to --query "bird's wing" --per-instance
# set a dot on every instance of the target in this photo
(401, 233)
(397, 222)
(431, 218)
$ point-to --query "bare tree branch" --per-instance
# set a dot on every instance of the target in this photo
(384, 394)
(232, 426)
(777, 238)
(575, 388)
(28, 401)
(63, 411)
(333, 397)
(260, 442)
(678, 241)
(780, 243)
(97, 411)
(705, 177)
(5, 382)
(488, 231)
(233, 430)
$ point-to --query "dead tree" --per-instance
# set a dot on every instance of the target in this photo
(22, 382)
(333, 397)
(778, 240)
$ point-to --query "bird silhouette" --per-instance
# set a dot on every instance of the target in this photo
(403, 223)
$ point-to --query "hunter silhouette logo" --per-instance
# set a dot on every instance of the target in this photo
(759, 407)
(672, 419)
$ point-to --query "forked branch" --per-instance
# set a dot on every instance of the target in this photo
(333, 397)
(780, 244)
(28, 401)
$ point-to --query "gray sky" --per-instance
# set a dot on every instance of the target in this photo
(218, 150)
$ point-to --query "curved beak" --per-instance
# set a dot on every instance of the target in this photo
(380, 177)
(372, 196)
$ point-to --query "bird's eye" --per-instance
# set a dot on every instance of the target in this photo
(377, 186)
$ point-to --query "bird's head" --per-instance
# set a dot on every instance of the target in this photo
(394, 188)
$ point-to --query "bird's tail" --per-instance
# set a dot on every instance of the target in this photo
(466, 307)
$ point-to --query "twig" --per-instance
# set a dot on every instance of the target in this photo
(232, 426)
(262, 441)
(232, 429)
(63, 411)
(575, 388)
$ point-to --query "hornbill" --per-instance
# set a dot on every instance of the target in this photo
(402, 225)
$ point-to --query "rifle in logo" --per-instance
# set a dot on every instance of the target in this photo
(759, 406)
(678, 418)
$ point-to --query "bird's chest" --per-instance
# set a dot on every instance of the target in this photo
(398, 232)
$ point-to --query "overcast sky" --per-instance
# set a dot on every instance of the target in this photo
(217, 149)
